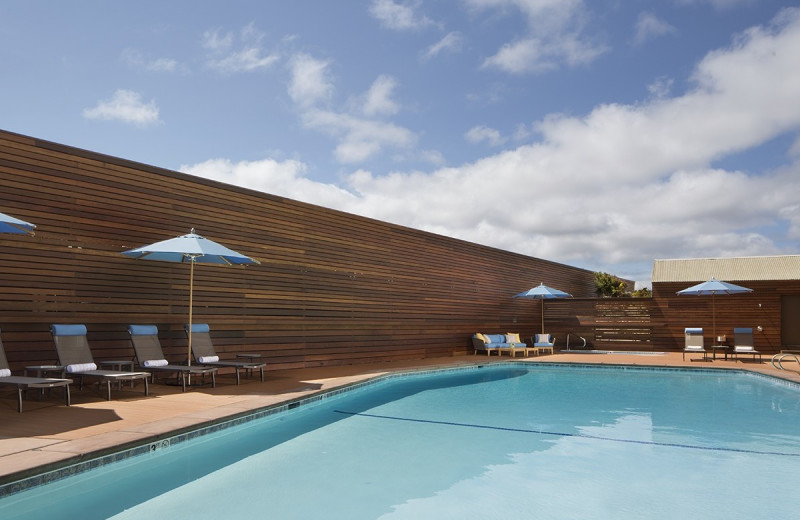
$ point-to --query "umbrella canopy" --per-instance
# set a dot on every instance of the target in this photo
(191, 249)
(711, 288)
(9, 224)
(542, 292)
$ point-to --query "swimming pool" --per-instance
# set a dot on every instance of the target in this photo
(509, 441)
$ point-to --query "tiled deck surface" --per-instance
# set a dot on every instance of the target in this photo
(48, 433)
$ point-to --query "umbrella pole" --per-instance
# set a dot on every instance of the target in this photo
(191, 298)
(542, 315)
(713, 319)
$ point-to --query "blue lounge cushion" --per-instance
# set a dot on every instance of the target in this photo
(143, 330)
(198, 327)
(68, 330)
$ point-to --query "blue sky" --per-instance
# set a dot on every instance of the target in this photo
(600, 134)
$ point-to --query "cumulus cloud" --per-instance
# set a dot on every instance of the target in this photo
(478, 134)
(649, 26)
(359, 138)
(556, 36)
(378, 100)
(661, 87)
(126, 106)
(358, 128)
(286, 179)
(398, 16)
(310, 81)
(619, 185)
(226, 57)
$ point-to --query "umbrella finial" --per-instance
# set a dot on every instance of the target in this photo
(191, 231)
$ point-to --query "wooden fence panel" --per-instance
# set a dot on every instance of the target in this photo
(332, 288)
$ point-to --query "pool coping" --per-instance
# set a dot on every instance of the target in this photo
(13, 483)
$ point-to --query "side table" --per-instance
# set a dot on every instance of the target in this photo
(120, 365)
(57, 371)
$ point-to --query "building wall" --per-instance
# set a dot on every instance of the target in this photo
(332, 288)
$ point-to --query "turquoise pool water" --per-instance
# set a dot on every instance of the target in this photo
(504, 442)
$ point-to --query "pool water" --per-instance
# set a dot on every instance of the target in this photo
(507, 442)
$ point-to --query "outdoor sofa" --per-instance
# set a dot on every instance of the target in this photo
(500, 343)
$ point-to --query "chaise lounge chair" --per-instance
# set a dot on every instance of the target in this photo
(694, 342)
(204, 353)
(74, 354)
(743, 342)
(149, 355)
(25, 383)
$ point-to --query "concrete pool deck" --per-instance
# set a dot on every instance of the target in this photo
(48, 434)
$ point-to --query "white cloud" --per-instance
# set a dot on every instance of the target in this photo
(661, 87)
(451, 42)
(649, 26)
(556, 36)
(378, 100)
(720, 4)
(359, 138)
(310, 81)
(359, 131)
(286, 179)
(249, 57)
(126, 106)
(620, 185)
(478, 134)
(398, 16)
(136, 59)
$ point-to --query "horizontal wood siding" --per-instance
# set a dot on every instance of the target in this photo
(658, 323)
(761, 308)
(332, 288)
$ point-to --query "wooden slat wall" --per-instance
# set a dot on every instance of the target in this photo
(658, 323)
(332, 288)
(762, 308)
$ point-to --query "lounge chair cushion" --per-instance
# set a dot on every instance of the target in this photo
(4, 372)
(68, 330)
(81, 367)
(143, 330)
(208, 359)
(198, 327)
(155, 363)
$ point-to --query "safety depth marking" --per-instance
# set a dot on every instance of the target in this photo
(561, 434)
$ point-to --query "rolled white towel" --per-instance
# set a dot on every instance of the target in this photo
(81, 367)
(155, 363)
(208, 359)
(4, 372)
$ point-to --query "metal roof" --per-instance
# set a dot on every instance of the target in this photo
(786, 267)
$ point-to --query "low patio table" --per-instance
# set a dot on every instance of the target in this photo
(723, 348)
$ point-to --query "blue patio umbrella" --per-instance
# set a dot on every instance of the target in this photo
(191, 249)
(711, 288)
(9, 224)
(542, 292)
